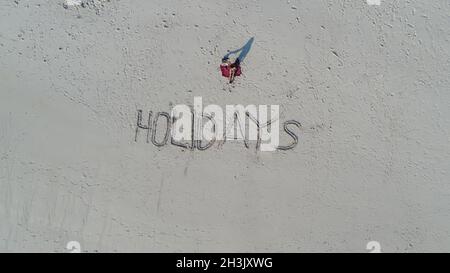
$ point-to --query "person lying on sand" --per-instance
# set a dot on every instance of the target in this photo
(230, 70)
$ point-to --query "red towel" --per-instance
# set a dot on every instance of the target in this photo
(238, 71)
(226, 69)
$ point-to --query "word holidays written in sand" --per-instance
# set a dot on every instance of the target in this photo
(200, 127)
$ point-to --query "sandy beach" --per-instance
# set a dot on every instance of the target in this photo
(369, 85)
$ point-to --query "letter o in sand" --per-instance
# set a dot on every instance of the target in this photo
(155, 124)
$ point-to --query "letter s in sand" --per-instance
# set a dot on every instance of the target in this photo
(292, 134)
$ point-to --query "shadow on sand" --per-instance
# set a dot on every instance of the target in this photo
(243, 50)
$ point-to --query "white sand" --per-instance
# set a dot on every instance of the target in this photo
(370, 85)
